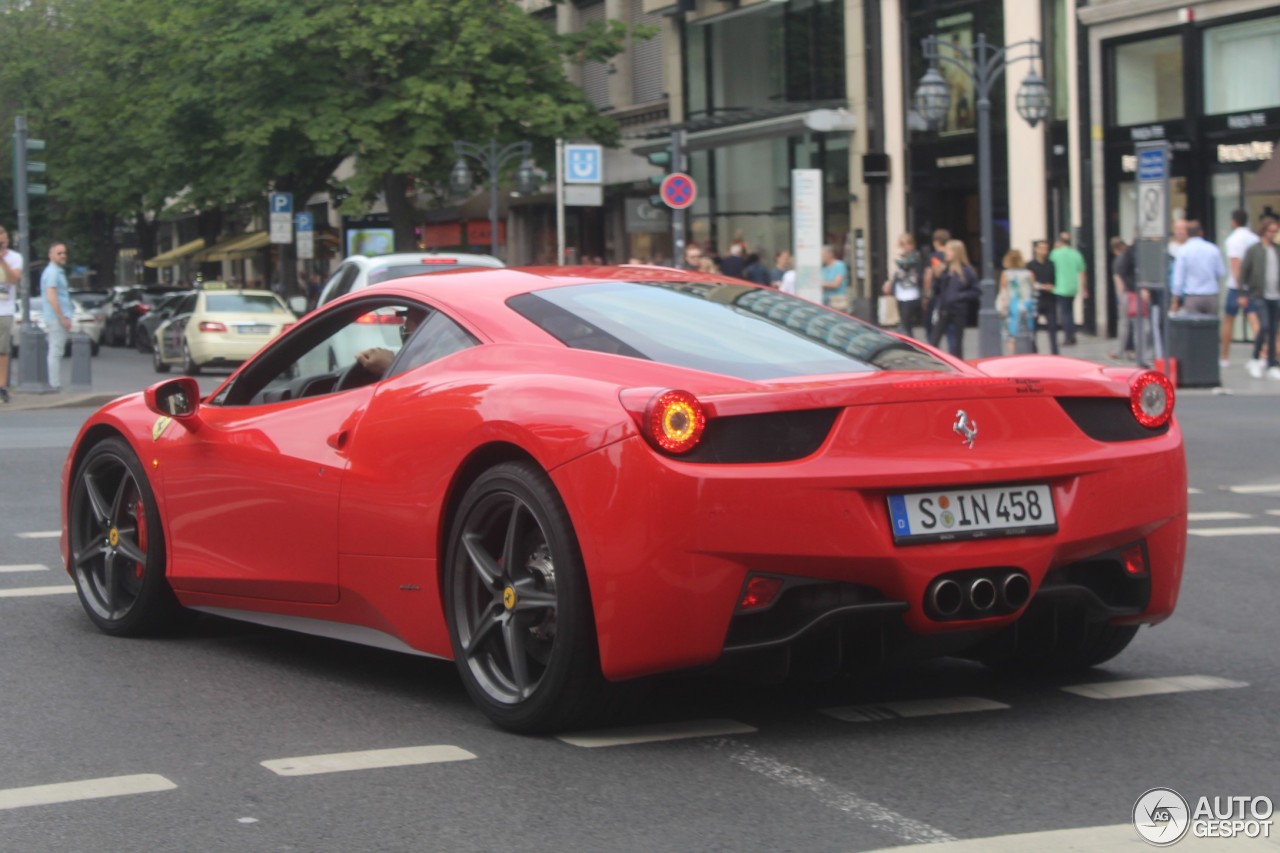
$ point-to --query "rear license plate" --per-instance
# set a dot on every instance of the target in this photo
(948, 515)
(259, 329)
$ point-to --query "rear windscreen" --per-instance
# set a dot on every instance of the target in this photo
(736, 330)
(242, 302)
(388, 273)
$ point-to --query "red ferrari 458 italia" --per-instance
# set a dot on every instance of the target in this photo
(568, 478)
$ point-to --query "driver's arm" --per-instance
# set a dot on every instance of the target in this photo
(376, 360)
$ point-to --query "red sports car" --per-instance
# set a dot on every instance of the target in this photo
(568, 478)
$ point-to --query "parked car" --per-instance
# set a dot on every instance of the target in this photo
(165, 307)
(218, 326)
(358, 271)
(570, 478)
(83, 320)
(126, 306)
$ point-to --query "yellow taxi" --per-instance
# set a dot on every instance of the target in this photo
(219, 326)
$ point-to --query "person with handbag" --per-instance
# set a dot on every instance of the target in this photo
(835, 281)
(1016, 301)
(903, 287)
(957, 289)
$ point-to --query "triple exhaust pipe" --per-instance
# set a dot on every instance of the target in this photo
(972, 595)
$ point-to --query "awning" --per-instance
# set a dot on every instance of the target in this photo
(236, 248)
(173, 257)
(1266, 180)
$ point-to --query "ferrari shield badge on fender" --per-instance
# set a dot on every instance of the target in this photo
(966, 428)
(158, 428)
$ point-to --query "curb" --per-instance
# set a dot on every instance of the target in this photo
(21, 401)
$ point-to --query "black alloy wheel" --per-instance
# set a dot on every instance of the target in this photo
(518, 607)
(117, 545)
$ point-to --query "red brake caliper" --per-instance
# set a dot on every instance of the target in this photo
(141, 515)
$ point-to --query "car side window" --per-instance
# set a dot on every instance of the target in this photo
(346, 277)
(437, 337)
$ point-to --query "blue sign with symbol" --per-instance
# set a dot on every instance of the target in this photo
(678, 191)
(281, 202)
(583, 164)
(303, 222)
(1151, 165)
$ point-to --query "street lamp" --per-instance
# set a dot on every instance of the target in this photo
(492, 159)
(983, 64)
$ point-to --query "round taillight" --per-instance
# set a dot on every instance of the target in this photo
(675, 421)
(1151, 399)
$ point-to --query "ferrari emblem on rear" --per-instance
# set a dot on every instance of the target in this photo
(966, 428)
(509, 598)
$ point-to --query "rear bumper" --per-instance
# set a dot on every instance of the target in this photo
(669, 545)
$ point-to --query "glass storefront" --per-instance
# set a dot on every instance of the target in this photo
(1242, 66)
(1148, 81)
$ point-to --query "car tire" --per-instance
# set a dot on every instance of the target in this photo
(189, 365)
(140, 341)
(94, 347)
(517, 605)
(156, 362)
(117, 545)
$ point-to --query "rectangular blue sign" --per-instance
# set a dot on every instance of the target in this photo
(1151, 165)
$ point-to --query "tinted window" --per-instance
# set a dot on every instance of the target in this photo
(389, 273)
(742, 331)
(439, 336)
(247, 302)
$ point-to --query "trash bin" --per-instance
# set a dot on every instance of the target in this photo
(1194, 341)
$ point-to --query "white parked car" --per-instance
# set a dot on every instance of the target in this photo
(83, 319)
(358, 271)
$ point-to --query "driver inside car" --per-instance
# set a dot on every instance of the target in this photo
(376, 360)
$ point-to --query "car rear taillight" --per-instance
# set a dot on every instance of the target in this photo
(760, 592)
(674, 421)
(439, 260)
(143, 308)
(1135, 560)
(375, 319)
(1151, 399)
(207, 326)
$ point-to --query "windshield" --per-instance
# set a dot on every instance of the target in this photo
(242, 302)
(735, 330)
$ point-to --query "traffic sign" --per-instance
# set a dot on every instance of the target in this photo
(678, 191)
(583, 164)
(1152, 164)
(305, 226)
(280, 206)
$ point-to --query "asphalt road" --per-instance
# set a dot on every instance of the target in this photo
(186, 723)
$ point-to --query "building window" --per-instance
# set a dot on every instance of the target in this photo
(1148, 81)
(1059, 73)
(646, 58)
(595, 75)
(815, 63)
(1242, 66)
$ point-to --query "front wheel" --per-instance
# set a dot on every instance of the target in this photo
(189, 365)
(117, 545)
(517, 603)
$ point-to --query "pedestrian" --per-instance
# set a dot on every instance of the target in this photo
(1068, 283)
(692, 258)
(1017, 299)
(904, 285)
(1260, 276)
(734, 263)
(1238, 299)
(754, 271)
(957, 289)
(10, 278)
(937, 260)
(781, 263)
(315, 284)
(1196, 274)
(1124, 278)
(57, 310)
(1046, 306)
(835, 281)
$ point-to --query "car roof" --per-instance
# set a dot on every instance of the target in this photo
(241, 290)
(408, 258)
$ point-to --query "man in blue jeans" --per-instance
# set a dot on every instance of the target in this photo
(57, 310)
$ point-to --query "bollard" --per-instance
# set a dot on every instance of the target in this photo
(81, 363)
(33, 371)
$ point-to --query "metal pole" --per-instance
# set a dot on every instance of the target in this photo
(33, 373)
(677, 216)
(988, 317)
(560, 202)
(493, 196)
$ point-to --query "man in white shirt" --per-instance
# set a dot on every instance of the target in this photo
(1238, 242)
(10, 278)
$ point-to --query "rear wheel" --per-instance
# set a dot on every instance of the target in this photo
(518, 607)
(140, 341)
(117, 546)
(157, 362)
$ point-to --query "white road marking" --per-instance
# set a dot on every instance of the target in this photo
(912, 708)
(1235, 531)
(884, 819)
(1153, 686)
(1192, 491)
(1217, 516)
(1264, 489)
(373, 759)
(40, 534)
(87, 789)
(26, 591)
(1273, 512)
(658, 732)
(1121, 838)
(24, 567)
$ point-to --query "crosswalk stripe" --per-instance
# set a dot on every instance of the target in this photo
(655, 733)
(86, 789)
(912, 708)
(1192, 491)
(28, 591)
(1217, 516)
(1234, 531)
(40, 534)
(1153, 686)
(373, 759)
(1264, 489)
(24, 567)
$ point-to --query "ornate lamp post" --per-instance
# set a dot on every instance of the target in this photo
(492, 159)
(983, 64)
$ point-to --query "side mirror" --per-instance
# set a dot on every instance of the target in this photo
(298, 305)
(177, 398)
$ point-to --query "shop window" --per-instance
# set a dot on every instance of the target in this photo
(1148, 84)
(1242, 66)
(815, 59)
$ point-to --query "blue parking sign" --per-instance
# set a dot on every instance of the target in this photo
(280, 202)
(583, 164)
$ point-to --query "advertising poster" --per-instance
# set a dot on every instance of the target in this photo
(955, 37)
